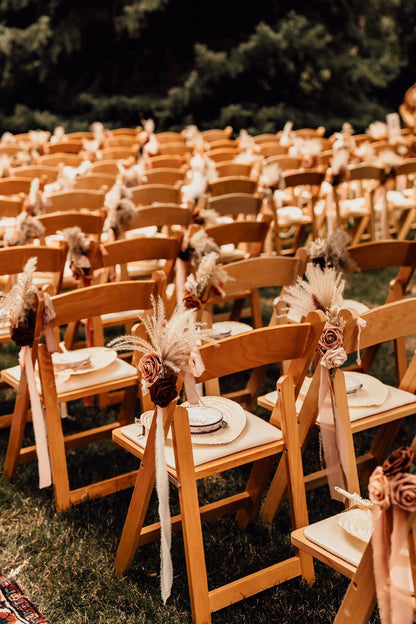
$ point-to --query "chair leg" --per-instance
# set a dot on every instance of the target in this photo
(17, 429)
(255, 487)
(191, 520)
(360, 599)
(138, 507)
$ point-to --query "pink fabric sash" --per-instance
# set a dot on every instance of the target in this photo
(389, 538)
(48, 316)
(196, 368)
(45, 476)
(333, 440)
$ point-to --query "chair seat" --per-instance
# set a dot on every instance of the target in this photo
(115, 373)
(354, 207)
(327, 534)
(255, 433)
(395, 398)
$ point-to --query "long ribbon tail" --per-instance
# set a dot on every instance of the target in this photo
(381, 555)
(196, 368)
(44, 466)
(332, 443)
(360, 324)
(48, 316)
(180, 278)
(400, 599)
(162, 488)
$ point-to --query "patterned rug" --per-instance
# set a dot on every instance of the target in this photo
(14, 607)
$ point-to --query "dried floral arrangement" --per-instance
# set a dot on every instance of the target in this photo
(25, 230)
(208, 277)
(78, 246)
(333, 252)
(20, 305)
(196, 246)
(168, 349)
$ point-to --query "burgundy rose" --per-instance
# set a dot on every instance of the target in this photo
(22, 336)
(191, 302)
(399, 461)
(163, 391)
(150, 366)
(331, 338)
(378, 488)
(403, 491)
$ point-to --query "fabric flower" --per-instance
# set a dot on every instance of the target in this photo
(331, 338)
(22, 336)
(191, 302)
(378, 488)
(403, 491)
(334, 358)
(150, 366)
(163, 391)
(399, 461)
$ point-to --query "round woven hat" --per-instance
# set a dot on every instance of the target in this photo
(234, 419)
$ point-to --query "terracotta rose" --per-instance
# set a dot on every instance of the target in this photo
(399, 461)
(378, 488)
(403, 491)
(150, 366)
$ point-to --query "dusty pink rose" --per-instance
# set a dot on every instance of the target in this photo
(399, 461)
(334, 358)
(150, 365)
(378, 488)
(403, 491)
(331, 339)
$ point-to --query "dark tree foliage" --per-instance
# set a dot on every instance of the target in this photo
(216, 63)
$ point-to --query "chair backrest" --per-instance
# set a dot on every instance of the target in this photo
(284, 162)
(126, 131)
(64, 147)
(11, 206)
(232, 184)
(166, 160)
(146, 194)
(49, 174)
(120, 153)
(273, 149)
(91, 223)
(136, 249)
(10, 150)
(74, 200)
(309, 133)
(216, 134)
(233, 204)
(160, 215)
(231, 168)
(49, 260)
(263, 346)
(95, 181)
(14, 186)
(224, 144)
(164, 175)
(251, 233)
(261, 272)
(109, 165)
(170, 137)
(222, 154)
(310, 177)
(61, 158)
(179, 148)
(122, 141)
(267, 137)
(406, 167)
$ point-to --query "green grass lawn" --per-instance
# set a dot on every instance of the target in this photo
(64, 561)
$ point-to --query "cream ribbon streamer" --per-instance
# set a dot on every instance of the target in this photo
(162, 489)
(360, 324)
(333, 441)
(48, 316)
(44, 466)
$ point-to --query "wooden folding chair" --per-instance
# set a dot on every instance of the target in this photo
(355, 200)
(236, 205)
(161, 216)
(244, 239)
(61, 158)
(231, 168)
(186, 465)
(14, 186)
(216, 134)
(296, 215)
(93, 302)
(383, 324)
(74, 200)
(164, 175)
(90, 222)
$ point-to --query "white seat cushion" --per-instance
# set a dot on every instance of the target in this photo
(255, 433)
